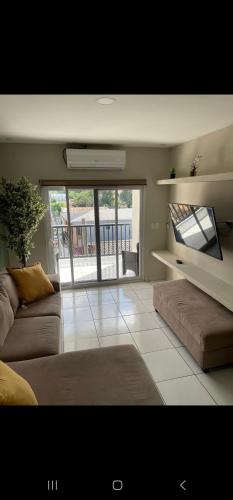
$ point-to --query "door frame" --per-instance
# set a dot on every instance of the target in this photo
(98, 282)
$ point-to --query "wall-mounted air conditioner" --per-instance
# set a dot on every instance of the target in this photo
(95, 159)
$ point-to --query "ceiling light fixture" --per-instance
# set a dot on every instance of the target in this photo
(106, 100)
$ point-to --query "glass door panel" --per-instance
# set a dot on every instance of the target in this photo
(128, 215)
(95, 233)
(60, 233)
(83, 234)
(107, 233)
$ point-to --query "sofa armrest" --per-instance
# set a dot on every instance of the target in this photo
(55, 280)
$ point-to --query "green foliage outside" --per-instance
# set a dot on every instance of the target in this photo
(81, 198)
(125, 198)
(21, 210)
(107, 199)
(56, 207)
(84, 198)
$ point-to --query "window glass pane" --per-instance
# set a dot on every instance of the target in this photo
(128, 232)
(60, 237)
(83, 234)
(107, 224)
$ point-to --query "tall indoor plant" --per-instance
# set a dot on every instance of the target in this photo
(21, 210)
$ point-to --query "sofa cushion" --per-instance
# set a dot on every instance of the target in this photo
(31, 338)
(32, 283)
(6, 315)
(48, 306)
(14, 389)
(207, 321)
(7, 282)
(103, 376)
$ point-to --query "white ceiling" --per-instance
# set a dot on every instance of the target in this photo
(140, 120)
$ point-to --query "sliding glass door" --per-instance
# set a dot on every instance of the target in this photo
(60, 237)
(129, 229)
(96, 233)
(107, 233)
(82, 234)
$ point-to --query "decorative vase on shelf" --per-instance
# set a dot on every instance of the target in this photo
(195, 165)
(173, 173)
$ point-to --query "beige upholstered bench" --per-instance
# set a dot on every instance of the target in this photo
(203, 325)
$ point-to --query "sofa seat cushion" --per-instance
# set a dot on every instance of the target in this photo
(31, 338)
(48, 306)
(7, 282)
(206, 320)
(103, 376)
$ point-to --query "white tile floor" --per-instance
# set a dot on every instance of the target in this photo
(124, 314)
(85, 268)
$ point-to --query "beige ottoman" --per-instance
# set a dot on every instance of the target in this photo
(203, 325)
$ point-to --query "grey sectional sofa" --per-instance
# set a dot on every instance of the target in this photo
(32, 347)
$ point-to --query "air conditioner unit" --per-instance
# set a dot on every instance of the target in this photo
(95, 159)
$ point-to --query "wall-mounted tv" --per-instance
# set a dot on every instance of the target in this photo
(195, 227)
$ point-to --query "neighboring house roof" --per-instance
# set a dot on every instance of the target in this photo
(106, 214)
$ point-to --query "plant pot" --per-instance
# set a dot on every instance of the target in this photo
(172, 176)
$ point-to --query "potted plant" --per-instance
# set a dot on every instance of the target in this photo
(21, 210)
(172, 173)
(195, 165)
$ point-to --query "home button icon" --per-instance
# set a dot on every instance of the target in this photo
(117, 485)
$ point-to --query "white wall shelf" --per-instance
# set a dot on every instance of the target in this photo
(227, 176)
(215, 287)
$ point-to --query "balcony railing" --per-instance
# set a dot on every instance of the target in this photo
(84, 240)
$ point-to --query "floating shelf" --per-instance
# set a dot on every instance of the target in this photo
(227, 176)
(215, 287)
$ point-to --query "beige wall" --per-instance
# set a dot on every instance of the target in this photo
(40, 161)
(217, 151)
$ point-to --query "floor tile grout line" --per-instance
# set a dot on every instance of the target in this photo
(186, 376)
(148, 330)
(205, 388)
(155, 350)
(175, 378)
(176, 347)
(93, 318)
(195, 374)
(183, 346)
(183, 376)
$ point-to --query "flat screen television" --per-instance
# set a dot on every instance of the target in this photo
(195, 227)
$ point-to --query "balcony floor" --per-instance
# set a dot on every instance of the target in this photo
(85, 269)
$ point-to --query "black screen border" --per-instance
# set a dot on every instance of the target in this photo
(215, 227)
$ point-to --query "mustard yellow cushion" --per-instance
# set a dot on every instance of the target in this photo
(14, 390)
(32, 283)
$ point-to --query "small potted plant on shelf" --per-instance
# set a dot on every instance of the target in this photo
(172, 173)
(195, 165)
